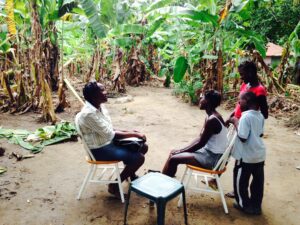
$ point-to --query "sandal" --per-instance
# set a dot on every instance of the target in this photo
(230, 194)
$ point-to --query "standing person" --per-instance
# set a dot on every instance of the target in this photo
(250, 153)
(248, 74)
(97, 130)
(207, 149)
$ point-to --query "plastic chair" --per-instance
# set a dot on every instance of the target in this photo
(158, 188)
(215, 173)
(103, 168)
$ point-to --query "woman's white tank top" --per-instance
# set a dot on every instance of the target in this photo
(218, 142)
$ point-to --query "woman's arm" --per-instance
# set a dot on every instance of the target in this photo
(211, 127)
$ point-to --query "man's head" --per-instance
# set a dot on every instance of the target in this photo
(248, 100)
(210, 100)
(94, 93)
(248, 72)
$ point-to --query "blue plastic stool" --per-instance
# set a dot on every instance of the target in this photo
(159, 189)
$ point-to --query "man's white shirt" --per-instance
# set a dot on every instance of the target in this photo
(95, 125)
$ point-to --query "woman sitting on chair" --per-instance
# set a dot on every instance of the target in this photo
(205, 150)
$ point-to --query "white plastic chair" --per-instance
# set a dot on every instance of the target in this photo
(215, 173)
(102, 167)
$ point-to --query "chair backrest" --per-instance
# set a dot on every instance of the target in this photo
(86, 148)
(232, 134)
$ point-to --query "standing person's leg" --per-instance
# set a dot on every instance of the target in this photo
(236, 168)
(242, 172)
(257, 187)
(173, 161)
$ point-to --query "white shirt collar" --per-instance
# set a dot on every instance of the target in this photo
(90, 106)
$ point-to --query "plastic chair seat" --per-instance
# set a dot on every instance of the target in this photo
(159, 189)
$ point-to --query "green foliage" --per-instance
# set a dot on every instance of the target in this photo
(209, 5)
(108, 13)
(180, 68)
(158, 4)
(132, 29)
(41, 137)
(274, 19)
(190, 88)
(124, 42)
(200, 16)
(92, 14)
(155, 25)
(4, 43)
(294, 40)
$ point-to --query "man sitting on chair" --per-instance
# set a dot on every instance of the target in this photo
(207, 149)
(97, 130)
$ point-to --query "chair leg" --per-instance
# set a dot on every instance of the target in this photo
(94, 170)
(127, 204)
(182, 181)
(189, 173)
(161, 207)
(222, 194)
(184, 207)
(117, 172)
(85, 181)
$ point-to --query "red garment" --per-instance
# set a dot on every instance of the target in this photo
(258, 91)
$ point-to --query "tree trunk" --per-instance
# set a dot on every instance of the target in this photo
(220, 72)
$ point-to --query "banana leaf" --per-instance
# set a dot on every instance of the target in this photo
(180, 68)
(35, 141)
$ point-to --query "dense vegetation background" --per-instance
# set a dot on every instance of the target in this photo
(196, 44)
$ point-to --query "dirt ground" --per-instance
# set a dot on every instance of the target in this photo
(43, 189)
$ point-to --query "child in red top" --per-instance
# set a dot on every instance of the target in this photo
(248, 73)
(257, 90)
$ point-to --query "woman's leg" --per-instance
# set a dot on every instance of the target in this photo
(173, 161)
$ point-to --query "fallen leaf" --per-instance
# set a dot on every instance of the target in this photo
(2, 170)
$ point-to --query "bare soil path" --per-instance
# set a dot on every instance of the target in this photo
(43, 189)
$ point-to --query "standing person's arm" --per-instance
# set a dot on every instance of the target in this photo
(263, 105)
(243, 130)
(228, 121)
